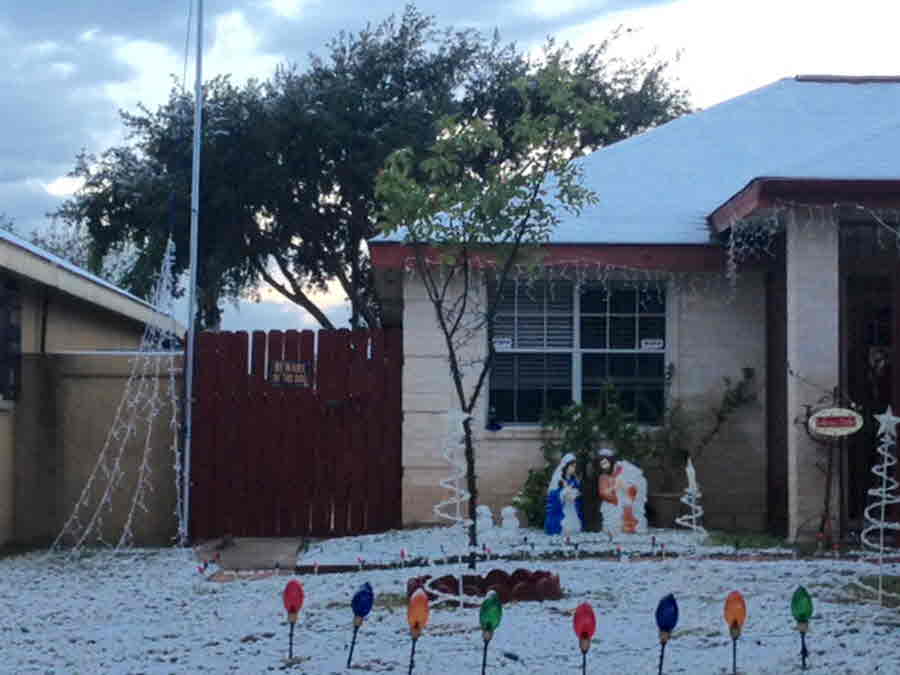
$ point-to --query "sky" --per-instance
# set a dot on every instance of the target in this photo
(70, 67)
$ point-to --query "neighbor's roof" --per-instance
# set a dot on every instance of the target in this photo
(661, 186)
(32, 262)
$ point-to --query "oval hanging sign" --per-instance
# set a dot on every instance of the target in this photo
(835, 422)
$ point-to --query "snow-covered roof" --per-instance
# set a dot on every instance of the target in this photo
(659, 187)
(19, 256)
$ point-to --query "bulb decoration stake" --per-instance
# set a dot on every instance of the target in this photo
(489, 617)
(802, 609)
(361, 604)
(735, 616)
(666, 620)
(585, 625)
(417, 616)
(293, 597)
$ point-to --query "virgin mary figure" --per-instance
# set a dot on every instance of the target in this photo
(564, 514)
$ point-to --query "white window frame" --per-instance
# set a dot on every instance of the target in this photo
(576, 351)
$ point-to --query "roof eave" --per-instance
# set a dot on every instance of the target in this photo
(765, 191)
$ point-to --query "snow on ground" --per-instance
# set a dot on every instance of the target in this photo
(153, 612)
(441, 542)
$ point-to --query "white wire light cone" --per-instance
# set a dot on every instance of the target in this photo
(142, 402)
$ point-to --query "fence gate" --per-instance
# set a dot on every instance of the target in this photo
(273, 458)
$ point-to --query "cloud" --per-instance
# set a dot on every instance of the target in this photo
(723, 49)
(237, 50)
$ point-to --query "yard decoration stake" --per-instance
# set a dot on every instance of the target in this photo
(735, 616)
(666, 620)
(293, 602)
(417, 615)
(802, 609)
(361, 604)
(585, 624)
(490, 615)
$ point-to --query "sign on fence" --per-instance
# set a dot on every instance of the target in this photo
(290, 373)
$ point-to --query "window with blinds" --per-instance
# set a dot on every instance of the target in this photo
(558, 342)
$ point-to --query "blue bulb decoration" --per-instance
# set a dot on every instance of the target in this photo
(667, 614)
(362, 601)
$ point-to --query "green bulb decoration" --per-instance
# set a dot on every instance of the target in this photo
(802, 609)
(491, 613)
(489, 617)
(801, 605)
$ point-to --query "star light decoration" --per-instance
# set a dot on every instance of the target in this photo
(883, 493)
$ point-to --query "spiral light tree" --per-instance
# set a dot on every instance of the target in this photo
(452, 508)
(884, 492)
(691, 498)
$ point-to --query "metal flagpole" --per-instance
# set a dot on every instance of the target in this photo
(192, 293)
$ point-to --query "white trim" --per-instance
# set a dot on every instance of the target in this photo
(31, 262)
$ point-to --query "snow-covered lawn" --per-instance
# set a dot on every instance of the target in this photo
(153, 612)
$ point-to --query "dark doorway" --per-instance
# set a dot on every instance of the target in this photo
(869, 356)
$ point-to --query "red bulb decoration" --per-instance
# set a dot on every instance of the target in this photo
(293, 599)
(585, 624)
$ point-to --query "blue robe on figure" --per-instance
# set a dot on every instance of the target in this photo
(558, 508)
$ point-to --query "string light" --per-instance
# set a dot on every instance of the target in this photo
(142, 402)
(883, 493)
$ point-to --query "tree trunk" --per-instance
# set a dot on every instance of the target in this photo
(471, 486)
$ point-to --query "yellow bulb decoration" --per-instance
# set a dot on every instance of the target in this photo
(735, 613)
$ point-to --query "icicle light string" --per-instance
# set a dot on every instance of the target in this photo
(140, 406)
(755, 236)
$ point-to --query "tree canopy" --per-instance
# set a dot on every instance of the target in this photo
(289, 165)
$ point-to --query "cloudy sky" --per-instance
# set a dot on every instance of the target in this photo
(70, 66)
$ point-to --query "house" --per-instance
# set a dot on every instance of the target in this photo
(65, 338)
(758, 234)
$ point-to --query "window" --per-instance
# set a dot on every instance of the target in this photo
(10, 339)
(558, 342)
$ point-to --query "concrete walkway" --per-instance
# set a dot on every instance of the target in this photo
(251, 553)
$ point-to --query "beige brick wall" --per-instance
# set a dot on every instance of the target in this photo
(709, 336)
(813, 352)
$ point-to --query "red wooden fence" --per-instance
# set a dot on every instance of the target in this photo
(272, 461)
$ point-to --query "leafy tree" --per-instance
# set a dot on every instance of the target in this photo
(289, 165)
(489, 189)
(137, 194)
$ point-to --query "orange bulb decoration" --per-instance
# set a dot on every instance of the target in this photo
(585, 624)
(417, 613)
(293, 599)
(735, 613)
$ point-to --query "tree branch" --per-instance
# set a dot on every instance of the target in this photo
(297, 295)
